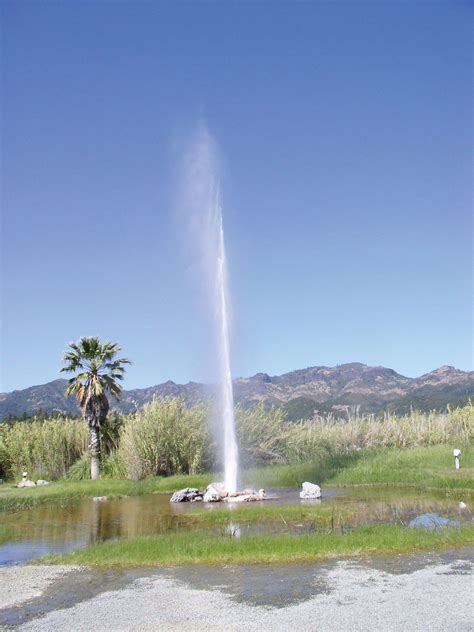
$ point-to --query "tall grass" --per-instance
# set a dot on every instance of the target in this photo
(43, 448)
(347, 436)
(165, 437)
(262, 435)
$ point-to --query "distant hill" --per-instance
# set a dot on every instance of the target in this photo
(301, 392)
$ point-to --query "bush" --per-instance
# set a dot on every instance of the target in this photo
(44, 449)
(165, 437)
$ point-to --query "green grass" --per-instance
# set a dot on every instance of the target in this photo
(424, 468)
(186, 548)
(319, 470)
(61, 492)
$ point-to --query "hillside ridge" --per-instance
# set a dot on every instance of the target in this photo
(301, 392)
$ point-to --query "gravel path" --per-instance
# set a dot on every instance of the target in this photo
(21, 583)
(356, 598)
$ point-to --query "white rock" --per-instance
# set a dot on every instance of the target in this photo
(462, 505)
(99, 499)
(211, 495)
(220, 488)
(310, 490)
(41, 483)
(26, 484)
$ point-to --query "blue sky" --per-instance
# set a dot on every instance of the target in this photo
(345, 133)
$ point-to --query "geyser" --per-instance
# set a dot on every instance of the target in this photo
(226, 394)
(204, 211)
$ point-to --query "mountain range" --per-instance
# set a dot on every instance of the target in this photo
(301, 393)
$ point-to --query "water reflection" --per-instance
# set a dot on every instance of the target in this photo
(431, 521)
(61, 529)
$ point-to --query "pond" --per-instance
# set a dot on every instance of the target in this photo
(52, 529)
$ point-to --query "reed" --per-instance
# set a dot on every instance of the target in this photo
(44, 448)
(168, 438)
(356, 433)
(164, 437)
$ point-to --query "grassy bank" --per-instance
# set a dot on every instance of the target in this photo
(64, 491)
(186, 548)
(430, 467)
(425, 468)
(61, 492)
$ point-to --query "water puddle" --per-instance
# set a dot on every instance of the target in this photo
(45, 529)
(431, 522)
(268, 585)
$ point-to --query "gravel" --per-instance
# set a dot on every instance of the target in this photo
(21, 583)
(357, 598)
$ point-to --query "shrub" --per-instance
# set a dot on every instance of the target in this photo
(164, 437)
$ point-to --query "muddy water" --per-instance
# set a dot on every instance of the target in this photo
(45, 529)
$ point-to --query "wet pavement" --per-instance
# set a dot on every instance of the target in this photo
(272, 585)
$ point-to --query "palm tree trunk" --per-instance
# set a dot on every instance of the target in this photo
(95, 452)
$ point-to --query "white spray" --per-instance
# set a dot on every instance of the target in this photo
(204, 211)
(227, 396)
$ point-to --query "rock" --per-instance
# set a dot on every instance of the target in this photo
(211, 495)
(26, 483)
(41, 483)
(99, 499)
(462, 505)
(185, 495)
(220, 488)
(262, 493)
(310, 490)
(196, 499)
(247, 491)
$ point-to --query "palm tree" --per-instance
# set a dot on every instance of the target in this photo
(97, 371)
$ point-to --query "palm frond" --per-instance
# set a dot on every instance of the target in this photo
(99, 373)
